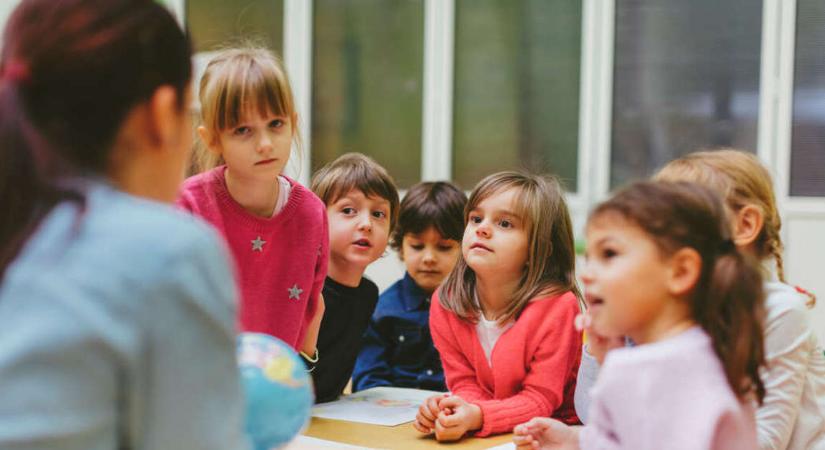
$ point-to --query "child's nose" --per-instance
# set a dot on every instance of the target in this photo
(365, 222)
(483, 230)
(265, 144)
(429, 256)
(586, 274)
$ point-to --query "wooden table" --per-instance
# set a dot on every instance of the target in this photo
(400, 437)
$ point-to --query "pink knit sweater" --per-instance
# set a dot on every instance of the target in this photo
(533, 364)
(281, 261)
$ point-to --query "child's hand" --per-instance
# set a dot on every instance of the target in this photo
(597, 345)
(427, 414)
(541, 433)
(456, 418)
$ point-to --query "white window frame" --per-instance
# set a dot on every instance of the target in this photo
(596, 95)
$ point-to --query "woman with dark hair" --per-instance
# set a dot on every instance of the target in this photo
(116, 311)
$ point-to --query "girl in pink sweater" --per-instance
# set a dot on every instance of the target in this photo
(503, 320)
(662, 269)
(275, 227)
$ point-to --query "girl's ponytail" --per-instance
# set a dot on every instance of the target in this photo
(731, 311)
(728, 299)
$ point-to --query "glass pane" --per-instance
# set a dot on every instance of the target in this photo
(686, 76)
(219, 23)
(516, 88)
(808, 142)
(367, 60)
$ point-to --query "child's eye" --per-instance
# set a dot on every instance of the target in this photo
(241, 131)
(475, 219)
(445, 247)
(608, 253)
(505, 224)
(417, 247)
(277, 123)
(379, 214)
(348, 210)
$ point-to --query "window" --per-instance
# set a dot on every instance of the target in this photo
(516, 88)
(686, 77)
(808, 127)
(367, 64)
(218, 23)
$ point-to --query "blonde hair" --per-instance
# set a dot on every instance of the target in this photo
(237, 81)
(741, 179)
(356, 171)
(551, 255)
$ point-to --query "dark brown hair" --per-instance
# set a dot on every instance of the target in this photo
(355, 171)
(437, 204)
(72, 70)
(728, 301)
(551, 255)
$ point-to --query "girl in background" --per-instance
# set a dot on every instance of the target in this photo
(275, 227)
(792, 415)
(662, 269)
(503, 320)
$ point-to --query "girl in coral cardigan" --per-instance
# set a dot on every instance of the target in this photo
(503, 320)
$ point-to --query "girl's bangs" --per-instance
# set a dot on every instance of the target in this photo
(249, 90)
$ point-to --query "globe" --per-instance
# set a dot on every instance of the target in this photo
(278, 390)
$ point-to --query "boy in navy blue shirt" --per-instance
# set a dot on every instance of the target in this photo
(397, 349)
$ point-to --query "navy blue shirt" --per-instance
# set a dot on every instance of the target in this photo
(397, 349)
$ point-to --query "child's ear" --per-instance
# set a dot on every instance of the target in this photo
(209, 139)
(685, 268)
(747, 226)
(163, 116)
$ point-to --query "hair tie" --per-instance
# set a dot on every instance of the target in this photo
(726, 246)
(16, 71)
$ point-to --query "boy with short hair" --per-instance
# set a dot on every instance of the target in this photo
(362, 208)
(398, 349)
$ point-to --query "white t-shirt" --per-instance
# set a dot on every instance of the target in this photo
(283, 195)
(488, 333)
(792, 416)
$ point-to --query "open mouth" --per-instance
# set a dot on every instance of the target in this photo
(362, 243)
(593, 301)
(266, 161)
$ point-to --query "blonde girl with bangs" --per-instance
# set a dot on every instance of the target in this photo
(792, 415)
(248, 125)
(502, 322)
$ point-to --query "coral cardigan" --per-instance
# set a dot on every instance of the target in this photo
(533, 366)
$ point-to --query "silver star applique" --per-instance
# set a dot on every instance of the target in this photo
(258, 244)
(295, 292)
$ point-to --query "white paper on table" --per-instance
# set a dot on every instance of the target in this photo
(389, 406)
(310, 443)
(507, 446)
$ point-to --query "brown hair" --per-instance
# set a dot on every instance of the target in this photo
(741, 180)
(72, 70)
(551, 256)
(728, 300)
(355, 171)
(235, 82)
(438, 204)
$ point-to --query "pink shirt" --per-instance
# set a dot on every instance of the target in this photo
(532, 368)
(281, 261)
(670, 395)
